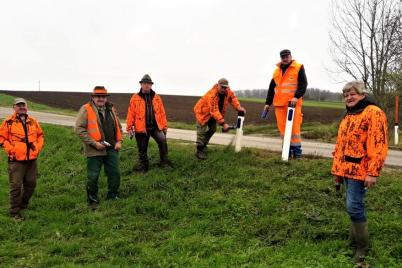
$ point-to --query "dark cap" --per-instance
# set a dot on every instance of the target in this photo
(223, 82)
(284, 53)
(146, 79)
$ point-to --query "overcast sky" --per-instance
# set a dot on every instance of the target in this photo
(186, 46)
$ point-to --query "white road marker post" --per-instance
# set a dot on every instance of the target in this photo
(288, 132)
(239, 131)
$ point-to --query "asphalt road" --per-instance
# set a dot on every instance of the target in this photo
(394, 157)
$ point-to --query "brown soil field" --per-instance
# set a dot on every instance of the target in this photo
(178, 108)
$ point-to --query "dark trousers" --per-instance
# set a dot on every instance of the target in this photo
(142, 144)
(205, 132)
(112, 170)
(22, 179)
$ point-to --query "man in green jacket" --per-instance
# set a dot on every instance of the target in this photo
(99, 128)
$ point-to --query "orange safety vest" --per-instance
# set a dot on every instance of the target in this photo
(93, 127)
(286, 84)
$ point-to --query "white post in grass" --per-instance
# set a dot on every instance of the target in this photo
(288, 132)
(239, 131)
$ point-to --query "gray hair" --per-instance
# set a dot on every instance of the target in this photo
(357, 85)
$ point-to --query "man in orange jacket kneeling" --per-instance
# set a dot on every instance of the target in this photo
(22, 138)
(146, 118)
(211, 109)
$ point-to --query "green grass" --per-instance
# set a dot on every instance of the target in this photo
(8, 101)
(306, 103)
(232, 210)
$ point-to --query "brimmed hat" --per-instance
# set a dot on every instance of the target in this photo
(99, 91)
(223, 82)
(146, 79)
(20, 100)
(284, 53)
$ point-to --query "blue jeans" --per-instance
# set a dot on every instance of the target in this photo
(355, 193)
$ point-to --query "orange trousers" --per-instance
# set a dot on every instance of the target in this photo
(281, 113)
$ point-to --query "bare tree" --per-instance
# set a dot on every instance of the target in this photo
(366, 43)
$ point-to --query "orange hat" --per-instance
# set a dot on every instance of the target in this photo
(100, 91)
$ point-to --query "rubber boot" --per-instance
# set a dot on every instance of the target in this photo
(200, 154)
(362, 241)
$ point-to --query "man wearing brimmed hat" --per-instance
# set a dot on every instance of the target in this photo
(99, 128)
(288, 85)
(209, 110)
(22, 138)
(146, 118)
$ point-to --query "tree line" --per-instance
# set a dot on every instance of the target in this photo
(315, 94)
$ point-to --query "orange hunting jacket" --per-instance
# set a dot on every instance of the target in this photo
(208, 106)
(136, 113)
(362, 144)
(18, 144)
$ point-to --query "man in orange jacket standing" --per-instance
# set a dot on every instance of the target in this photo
(99, 128)
(360, 152)
(209, 110)
(146, 118)
(22, 138)
(288, 85)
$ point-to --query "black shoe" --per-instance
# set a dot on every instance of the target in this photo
(200, 154)
(17, 217)
(112, 196)
(166, 164)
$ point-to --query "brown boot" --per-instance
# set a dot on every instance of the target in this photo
(362, 242)
(200, 154)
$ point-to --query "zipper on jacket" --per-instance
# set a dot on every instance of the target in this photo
(24, 125)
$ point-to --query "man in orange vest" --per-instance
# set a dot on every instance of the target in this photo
(209, 110)
(99, 128)
(146, 118)
(288, 85)
(22, 138)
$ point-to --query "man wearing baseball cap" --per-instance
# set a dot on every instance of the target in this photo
(209, 110)
(22, 138)
(99, 128)
(288, 85)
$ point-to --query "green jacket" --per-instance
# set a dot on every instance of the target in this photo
(81, 131)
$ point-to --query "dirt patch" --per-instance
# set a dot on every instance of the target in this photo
(178, 108)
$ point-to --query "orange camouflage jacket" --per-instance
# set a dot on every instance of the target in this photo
(362, 144)
(208, 106)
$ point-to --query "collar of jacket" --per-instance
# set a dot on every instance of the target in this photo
(142, 95)
(361, 105)
(15, 117)
(291, 64)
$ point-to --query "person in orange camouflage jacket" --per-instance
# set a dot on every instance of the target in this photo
(22, 138)
(209, 110)
(360, 152)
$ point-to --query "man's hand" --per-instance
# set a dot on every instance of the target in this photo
(131, 132)
(99, 146)
(370, 181)
(266, 107)
(293, 101)
(117, 146)
(225, 127)
(241, 109)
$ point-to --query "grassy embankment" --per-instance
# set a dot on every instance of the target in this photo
(233, 210)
